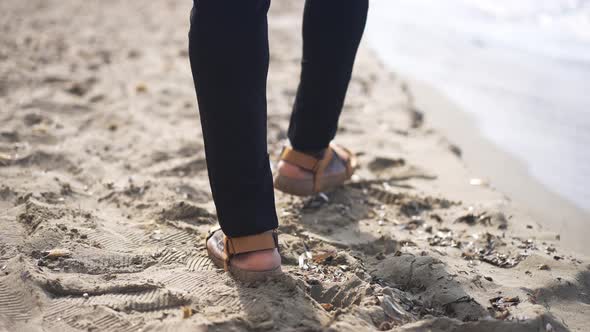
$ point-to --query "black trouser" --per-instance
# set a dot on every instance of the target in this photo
(229, 59)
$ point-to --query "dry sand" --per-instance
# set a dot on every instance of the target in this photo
(104, 199)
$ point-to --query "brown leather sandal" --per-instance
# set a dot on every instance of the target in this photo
(320, 181)
(240, 245)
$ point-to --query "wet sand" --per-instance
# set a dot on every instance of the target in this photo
(105, 203)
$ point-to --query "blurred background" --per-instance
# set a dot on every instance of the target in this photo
(519, 68)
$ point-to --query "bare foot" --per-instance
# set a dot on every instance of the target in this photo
(262, 260)
(292, 171)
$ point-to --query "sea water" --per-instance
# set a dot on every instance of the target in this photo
(521, 67)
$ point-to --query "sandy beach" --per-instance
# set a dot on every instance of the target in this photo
(504, 80)
(105, 201)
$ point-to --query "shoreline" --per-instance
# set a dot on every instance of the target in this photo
(524, 98)
(506, 173)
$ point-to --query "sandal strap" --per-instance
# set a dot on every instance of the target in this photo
(243, 244)
(318, 166)
(322, 165)
(300, 159)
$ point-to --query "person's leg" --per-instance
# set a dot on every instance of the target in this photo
(332, 30)
(228, 48)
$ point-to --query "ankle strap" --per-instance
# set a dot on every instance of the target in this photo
(305, 161)
(243, 244)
